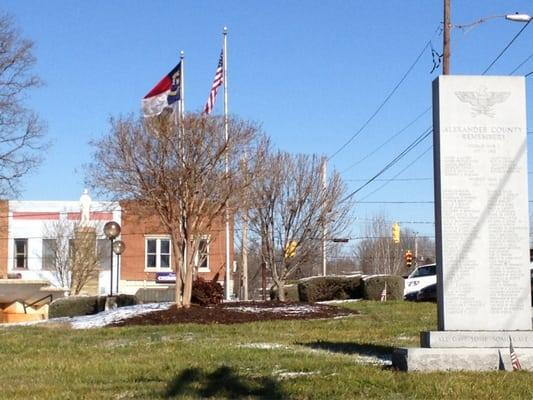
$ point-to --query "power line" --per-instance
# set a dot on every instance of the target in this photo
(506, 47)
(522, 63)
(387, 98)
(391, 179)
(388, 140)
(396, 202)
(398, 174)
(416, 142)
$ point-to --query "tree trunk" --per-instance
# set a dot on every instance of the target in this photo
(280, 284)
(178, 262)
(187, 285)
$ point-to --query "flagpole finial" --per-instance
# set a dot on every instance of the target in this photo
(182, 54)
(225, 30)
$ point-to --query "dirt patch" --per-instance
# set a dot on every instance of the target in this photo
(236, 313)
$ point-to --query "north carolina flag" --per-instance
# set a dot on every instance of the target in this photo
(164, 94)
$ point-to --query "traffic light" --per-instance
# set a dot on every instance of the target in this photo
(408, 258)
(290, 249)
(396, 232)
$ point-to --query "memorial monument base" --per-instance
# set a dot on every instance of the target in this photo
(466, 351)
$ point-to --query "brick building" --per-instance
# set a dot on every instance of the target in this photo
(25, 237)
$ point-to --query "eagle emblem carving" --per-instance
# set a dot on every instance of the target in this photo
(482, 101)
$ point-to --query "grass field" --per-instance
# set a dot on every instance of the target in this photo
(320, 359)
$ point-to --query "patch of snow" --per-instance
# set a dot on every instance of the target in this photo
(373, 360)
(265, 346)
(296, 309)
(99, 320)
(405, 338)
(291, 375)
(339, 301)
(378, 359)
(113, 316)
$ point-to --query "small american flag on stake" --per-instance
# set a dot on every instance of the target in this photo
(219, 80)
(515, 363)
(384, 293)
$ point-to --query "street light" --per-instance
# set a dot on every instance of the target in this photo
(446, 39)
(519, 17)
(118, 248)
(112, 230)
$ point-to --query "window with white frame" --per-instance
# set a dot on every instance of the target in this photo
(202, 255)
(21, 253)
(157, 253)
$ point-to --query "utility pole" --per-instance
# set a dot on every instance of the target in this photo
(446, 52)
(244, 271)
(324, 223)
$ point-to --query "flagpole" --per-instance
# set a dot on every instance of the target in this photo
(226, 137)
(182, 85)
(181, 146)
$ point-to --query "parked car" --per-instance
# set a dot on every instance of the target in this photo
(422, 276)
(429, 293)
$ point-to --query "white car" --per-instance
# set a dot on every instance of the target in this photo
(422, 276)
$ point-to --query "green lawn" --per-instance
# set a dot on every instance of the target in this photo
(321, 359)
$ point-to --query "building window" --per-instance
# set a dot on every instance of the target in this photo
(202, 255)
(157, 253)
(49, 254)
(21, 253)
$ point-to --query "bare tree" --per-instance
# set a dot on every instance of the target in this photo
(20, 128)
(378, 254)
(71, 254)
(289, 207)
(178, 175)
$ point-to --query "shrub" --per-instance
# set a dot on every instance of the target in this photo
(330, 288)
(156, 295)
(124, 300)
(74, 306)
(373, 287)
(206, 292)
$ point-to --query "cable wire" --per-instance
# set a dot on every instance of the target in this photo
(506, 47)
(411, 146)
(521, 64)
(387, 98)
(388, 140)
(398, 174)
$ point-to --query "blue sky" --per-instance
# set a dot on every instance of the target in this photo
(311, 72)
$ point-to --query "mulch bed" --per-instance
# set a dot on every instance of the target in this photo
(236, 313)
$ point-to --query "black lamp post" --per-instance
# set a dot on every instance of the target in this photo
(111, 230)
(118, 248)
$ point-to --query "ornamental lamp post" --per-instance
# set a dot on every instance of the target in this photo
(118, 248)
(112, 230)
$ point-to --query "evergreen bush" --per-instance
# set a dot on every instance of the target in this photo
(330, 288)
(74, 306)
(291, 293)
(374, 285)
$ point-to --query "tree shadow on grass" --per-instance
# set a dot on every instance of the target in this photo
(222, 383)
(363, 349)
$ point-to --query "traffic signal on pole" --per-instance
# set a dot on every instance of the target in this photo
(408, 258)
(290, 249)
(396, 232)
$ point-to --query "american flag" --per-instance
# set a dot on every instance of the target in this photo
(514, 358)
(219, 79)
(384, 293)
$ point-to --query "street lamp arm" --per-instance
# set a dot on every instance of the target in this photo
(516, 17)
